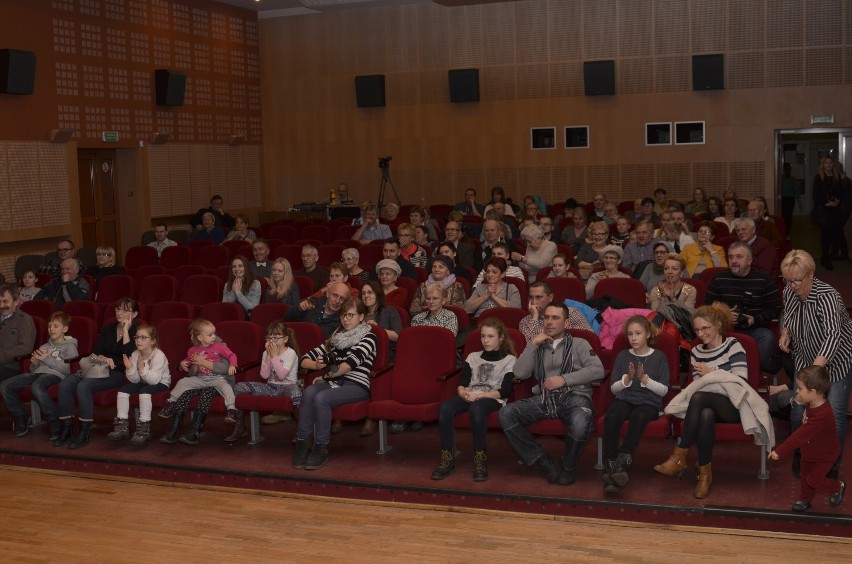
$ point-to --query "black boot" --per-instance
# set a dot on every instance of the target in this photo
(568, 475)
(22, 425)
(142, 434)
(82, 438)
(301, 455)
(619, 469)
(480, 466)
(64, 432)
(194, 434)
(607, 471)
(448, 464)
(171, 436)
(317, 458)
(239, 428)
(55, 429)
(120, 430)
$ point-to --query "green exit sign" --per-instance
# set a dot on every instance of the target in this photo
(109, 136)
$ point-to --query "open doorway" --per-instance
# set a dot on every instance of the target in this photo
(98, 201)
(802, 149)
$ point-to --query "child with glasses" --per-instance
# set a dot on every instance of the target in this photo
(147, 369)
(207, 350)
(279, 369)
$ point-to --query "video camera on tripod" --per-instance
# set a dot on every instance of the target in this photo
(384, 162)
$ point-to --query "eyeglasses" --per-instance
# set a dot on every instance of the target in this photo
(703, 329)
(141, 338)
(348, 316)
(661, 252)
(102, 254)
(795, 282)
(64, 249)
(274, 337)
(450, 229)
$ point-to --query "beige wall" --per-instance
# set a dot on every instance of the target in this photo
(785, 60)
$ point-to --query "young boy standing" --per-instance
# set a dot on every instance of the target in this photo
(817, 439)
(47, 367)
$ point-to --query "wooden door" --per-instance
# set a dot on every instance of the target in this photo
(98, 198)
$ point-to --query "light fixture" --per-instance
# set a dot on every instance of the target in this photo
(61, 135)
(160, 138)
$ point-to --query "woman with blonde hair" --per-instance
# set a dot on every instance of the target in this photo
(827, 212)
(282, 285)
(106, 265)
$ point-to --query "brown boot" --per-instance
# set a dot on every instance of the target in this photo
(336, 426)
(239, 429)
(676, 463)
(369, 427)
(705, 478)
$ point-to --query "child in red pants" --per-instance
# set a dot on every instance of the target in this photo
(817, 439)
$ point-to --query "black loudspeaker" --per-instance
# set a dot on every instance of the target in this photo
(170, 87)
(708, 72)
(370, 90)
(599, 78)
(464, 85)
(17, 71)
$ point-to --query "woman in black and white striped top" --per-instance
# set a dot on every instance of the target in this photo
(346, 360)
(816, 329)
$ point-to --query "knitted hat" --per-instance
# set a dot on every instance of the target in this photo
(615, 249)
(390, 265)
(451, 266)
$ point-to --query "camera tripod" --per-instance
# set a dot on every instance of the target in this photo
(384, 165)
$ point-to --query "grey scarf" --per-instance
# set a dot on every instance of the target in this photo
(549, 397)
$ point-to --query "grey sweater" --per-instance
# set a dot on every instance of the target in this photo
(587, 365)
(54, 363)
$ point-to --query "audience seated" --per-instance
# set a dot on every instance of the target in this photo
(64, 249)
(493, 291)
(442, 274)
(221, 218)
(388, 272)
(371, 229)
(310, 268)
(17, 332)
(539, 252)
(208, 231)
(610, 256)
(282, 286)
(703, 253)
(69, 286)
(161, 238)
(105, 264)
(764, 255)
(261, 266)
(241, 231)
(241, 287)
(435, 297)
(350, 257)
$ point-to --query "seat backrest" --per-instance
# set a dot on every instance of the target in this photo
(522, 287)
(200, 289)
(510, 316)
(85, 330)
(236, 248)
(158, 288)
(174, 257)
(330, 253)
(136, 257)
(567, 289)
(306, 286)
(320, 232)
(700, 289)
(461, 316)
(293, 253)
(174, 342)
(139, 274)
(184, 271)
(158, 312)
(344, 231)
(115, 287)
(244, 338)
(410, 285)
(708, 274)
(286, 233)
(38, 308)
(382, 348)
(308, 335)
(369, 256)
(216, 312)
(264, 314)
(627, 290)
(752, 358)
(212, 256)
(413, 381)
(83, 308)
(404, 317)
(589, 336)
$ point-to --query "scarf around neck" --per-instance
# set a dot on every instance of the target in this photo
(343, 340)
(548, 397)
(445, 283)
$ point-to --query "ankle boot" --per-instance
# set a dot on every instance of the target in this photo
(64, 432)
(448, 464)
(82, 438)
(480, 466)
(120, 430)
(239, 428)
(705, 479)
(301, 455)
(676, 463)
(194, 434)
(21, 425)
(142, 434)
(369, 428)
(609, 463)
(619, 469)
(317, 458)
(55, 429)
(171, 436)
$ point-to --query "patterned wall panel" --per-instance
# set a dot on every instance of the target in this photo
(823, 66)
(745, 70)
(713, 177)
(566, 79)
(636, 179)
(404, 88)
(565, 41)
(599, 17)
(500, 39)
(497, 83)
(531, 37)
(784, 28)
(5, 190)
(371, 43)
(673, 74)
(671, 27)
(635, 29)
(747, 178)
(402, 39)
(568, 182)
(822, 26)
(466, 37)
(785, 68)
(745, 24)
(676, 179)
(533, 180)
(532, 81)
(635, 76)
(708, 26)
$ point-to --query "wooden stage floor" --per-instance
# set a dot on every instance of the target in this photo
(738, 498)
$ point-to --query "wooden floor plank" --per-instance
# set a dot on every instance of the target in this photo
(52, 516)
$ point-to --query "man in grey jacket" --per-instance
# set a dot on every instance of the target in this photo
(564, 368)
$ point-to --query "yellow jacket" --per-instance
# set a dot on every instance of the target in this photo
(692, 254)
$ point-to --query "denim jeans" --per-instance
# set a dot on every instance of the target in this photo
(318, 401)
(767, 345)
(576, 413)
(39, 383)
(620, 411)
(838, 397)
(84, 388)
(478, 411)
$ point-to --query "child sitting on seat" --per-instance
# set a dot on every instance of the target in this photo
(207, 350)
(816, 438)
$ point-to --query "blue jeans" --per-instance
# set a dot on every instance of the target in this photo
(838, 397)
(576, 413)
(767, 345)
(39, 383)
(84, 388)
(318, 401)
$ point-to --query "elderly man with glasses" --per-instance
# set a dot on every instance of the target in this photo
(64, 249)
(69, 286)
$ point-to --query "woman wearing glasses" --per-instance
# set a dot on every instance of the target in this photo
(345, 361)
(816, 329)
(105, 266)
(279, 370)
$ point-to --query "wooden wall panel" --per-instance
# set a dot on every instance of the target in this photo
(598, 19)
(742, 17)
(784, 28)
(499, 39)
(531, 33)
(709, 26)
(635, 29)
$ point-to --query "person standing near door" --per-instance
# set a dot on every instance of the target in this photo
(789, 197)
(827, 213)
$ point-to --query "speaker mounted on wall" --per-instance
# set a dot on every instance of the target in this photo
(17, 71)
(708, 72)
(370, 90)
(599, 78)
(170, 87)
(464, 85)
